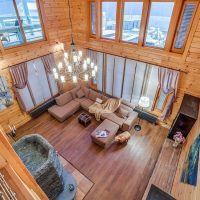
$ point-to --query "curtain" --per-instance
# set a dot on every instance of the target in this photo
(168, 83)
(48, 62)
(19, 75)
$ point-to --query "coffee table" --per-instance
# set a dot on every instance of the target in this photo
(84, 119)
(105, 125)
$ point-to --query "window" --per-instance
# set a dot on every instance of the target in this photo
(132, 21)
(41, 85)
(93, 18)
(20, 22)
(158, 25)
(185, 23)
(108, 20)
(130, 79)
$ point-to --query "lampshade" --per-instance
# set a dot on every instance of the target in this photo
(144, 102)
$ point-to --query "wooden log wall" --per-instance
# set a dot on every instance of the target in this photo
(56, 23)
(189, 82)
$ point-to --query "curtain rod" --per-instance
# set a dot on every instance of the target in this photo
(180, 70)
(29, 60)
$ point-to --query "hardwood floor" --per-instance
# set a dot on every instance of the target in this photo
(118, 173)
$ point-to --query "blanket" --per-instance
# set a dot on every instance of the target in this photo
(110, 106)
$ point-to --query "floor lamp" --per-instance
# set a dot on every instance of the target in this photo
(144, 102)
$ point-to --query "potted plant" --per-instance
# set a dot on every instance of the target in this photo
(178, 139)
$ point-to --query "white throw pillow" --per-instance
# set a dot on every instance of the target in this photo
(100, 101)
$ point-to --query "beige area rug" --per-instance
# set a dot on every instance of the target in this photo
(83, 183)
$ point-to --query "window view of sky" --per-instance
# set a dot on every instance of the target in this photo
(159, 20)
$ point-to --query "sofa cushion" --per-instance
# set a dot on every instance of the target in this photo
(93, 95)
(63, 99)
(86, 104)
(122, 113)
(81, 99)
(80, 93)
(63, 112)
(86, 91)
(114, 118)
(130, 121)
(75, 90)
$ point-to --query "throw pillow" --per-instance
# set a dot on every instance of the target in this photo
(85, 90)
(75, 90)
(93, 95)
(122, 113)
(80, 94)
(63, 99)
(100, 101)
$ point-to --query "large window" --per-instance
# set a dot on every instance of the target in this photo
(129, 80)
(162, 24)
(108, 20)
(20, 22)
(159, 21)
(93, 18)
(132, 21)
(184, 25)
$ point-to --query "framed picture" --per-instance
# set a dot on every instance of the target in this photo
(5, 95)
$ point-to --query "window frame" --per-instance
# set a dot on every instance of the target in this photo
(169, 33)
(176, 50)
(117, 20)
(122, 21)
(39, 9)
(90, 18)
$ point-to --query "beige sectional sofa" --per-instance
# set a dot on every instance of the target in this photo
(82, 97)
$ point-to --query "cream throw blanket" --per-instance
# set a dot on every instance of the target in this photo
(110, 106)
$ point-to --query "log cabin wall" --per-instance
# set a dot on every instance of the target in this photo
(56, 24)
(188, 62)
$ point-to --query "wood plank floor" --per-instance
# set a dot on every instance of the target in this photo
(118, 173)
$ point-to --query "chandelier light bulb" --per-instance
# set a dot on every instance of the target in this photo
(62, 78)
(88, 61)
(60, 65)
(93, 73)
(69, 68)
(80, 53)
(66, 55)
(75, 58)
(54, 70)
(74, 79)
(84, 66)
(95, 68)
(56, 75)
(92, 65)
(86, 77)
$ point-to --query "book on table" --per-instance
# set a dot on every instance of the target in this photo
(102, 134)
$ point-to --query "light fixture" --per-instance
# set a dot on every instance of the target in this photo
(144, 102)
(74, 67)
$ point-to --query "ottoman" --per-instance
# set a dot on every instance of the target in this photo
(111, 127)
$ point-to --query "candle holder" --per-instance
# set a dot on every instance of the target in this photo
(12, 130)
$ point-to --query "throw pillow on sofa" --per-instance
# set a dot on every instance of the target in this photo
(85, 90)
(93, 95)
(75, 90)
(80, 94)
(122, 113)
(63, 99)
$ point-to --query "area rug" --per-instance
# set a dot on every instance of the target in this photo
(83, 183)
(190, 169)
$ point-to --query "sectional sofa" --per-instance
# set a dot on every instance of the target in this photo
(82, 97)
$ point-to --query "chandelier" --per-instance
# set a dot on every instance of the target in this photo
(74, 66)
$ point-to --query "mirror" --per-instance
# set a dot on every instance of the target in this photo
(5, 95)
